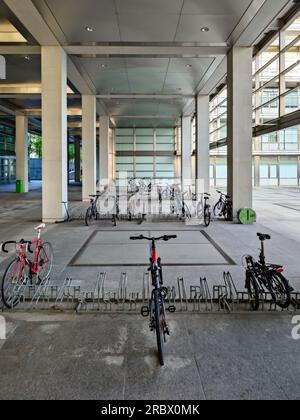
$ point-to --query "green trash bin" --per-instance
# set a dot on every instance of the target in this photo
(247, 216)
(19, 186)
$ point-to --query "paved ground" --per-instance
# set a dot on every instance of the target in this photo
(238, 356)
(113, 357)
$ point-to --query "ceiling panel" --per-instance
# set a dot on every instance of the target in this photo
(141, 27)
(152, 6)
(221, 26)
(199, 66)
(147, 64)
(216, 7)
(162, 122)
(145, 81)
(20, 70)
(74, 16)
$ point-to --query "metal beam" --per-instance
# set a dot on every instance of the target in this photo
(146, 51)
(20, 50)
(147, 117)
(145, 96)
(281, 123)
(30, 17)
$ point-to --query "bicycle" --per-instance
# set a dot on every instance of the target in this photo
(92, 212)
(223, 207)
(262, 278)
(204, 210)
(156, 308)
(22, 269)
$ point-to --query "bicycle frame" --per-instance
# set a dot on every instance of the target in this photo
(24, 260)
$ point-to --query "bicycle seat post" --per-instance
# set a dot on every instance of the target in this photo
(262, 258)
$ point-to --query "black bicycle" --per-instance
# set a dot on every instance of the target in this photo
(203, 210)
(223, 207)
(92, 213)
(263, 279)
(156, 308)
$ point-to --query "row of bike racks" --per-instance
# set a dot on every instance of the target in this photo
(201, 298)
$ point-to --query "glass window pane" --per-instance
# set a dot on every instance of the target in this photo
(288, 171)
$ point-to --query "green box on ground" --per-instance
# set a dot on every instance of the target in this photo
(19, 186)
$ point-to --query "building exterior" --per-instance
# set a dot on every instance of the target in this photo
(276, 94)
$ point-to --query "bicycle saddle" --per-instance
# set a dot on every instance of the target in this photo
(263, 237)
(41, 226)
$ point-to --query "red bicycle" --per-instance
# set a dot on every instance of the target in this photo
(22, 270)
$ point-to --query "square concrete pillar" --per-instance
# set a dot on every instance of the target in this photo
(88, 146)
(186, 152)
(202, 145)
(54, 132)
(104, 152)
(22, 150)
(239, 85)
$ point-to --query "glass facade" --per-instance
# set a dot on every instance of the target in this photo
(276, 94)
(145, 152)
(7, 152)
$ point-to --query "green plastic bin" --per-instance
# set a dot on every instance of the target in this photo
(247, 216)
(19, 186)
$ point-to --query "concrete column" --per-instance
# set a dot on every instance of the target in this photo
(104, 150)
(256, 171)
(186, 149)
(22, 150)
(54, 125)
(239, 83)
(202, 145)
(77, 147)
(88, 146)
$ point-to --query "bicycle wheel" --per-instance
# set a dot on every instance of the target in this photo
(280, 290)
(228, 212)
(218, 208)
(207, 217)
(253, 291)
(89, 216)
(186, 212)
(158, 327)
(14, 277)
(44, 262)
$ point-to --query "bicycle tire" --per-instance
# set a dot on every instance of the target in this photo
(158, 328)
(218, 208)
(4, 297)
(207, 217)
(283, 288)
(88, 216)
(228, 212)
(186, 212)
(253, 291)
(49, 254)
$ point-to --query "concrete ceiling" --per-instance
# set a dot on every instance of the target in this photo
(182, 61)
(147, 20)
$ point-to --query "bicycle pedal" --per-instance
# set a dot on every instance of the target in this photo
(171, 309)
(145, 311)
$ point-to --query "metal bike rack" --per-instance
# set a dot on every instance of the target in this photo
(146, 289)
(71, 295)
(183, 300)
(201, 295)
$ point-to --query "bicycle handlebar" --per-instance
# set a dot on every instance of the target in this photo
(22, 242)
(163, 238)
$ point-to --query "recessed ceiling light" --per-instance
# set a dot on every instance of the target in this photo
(205, 29)
(89, 29)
